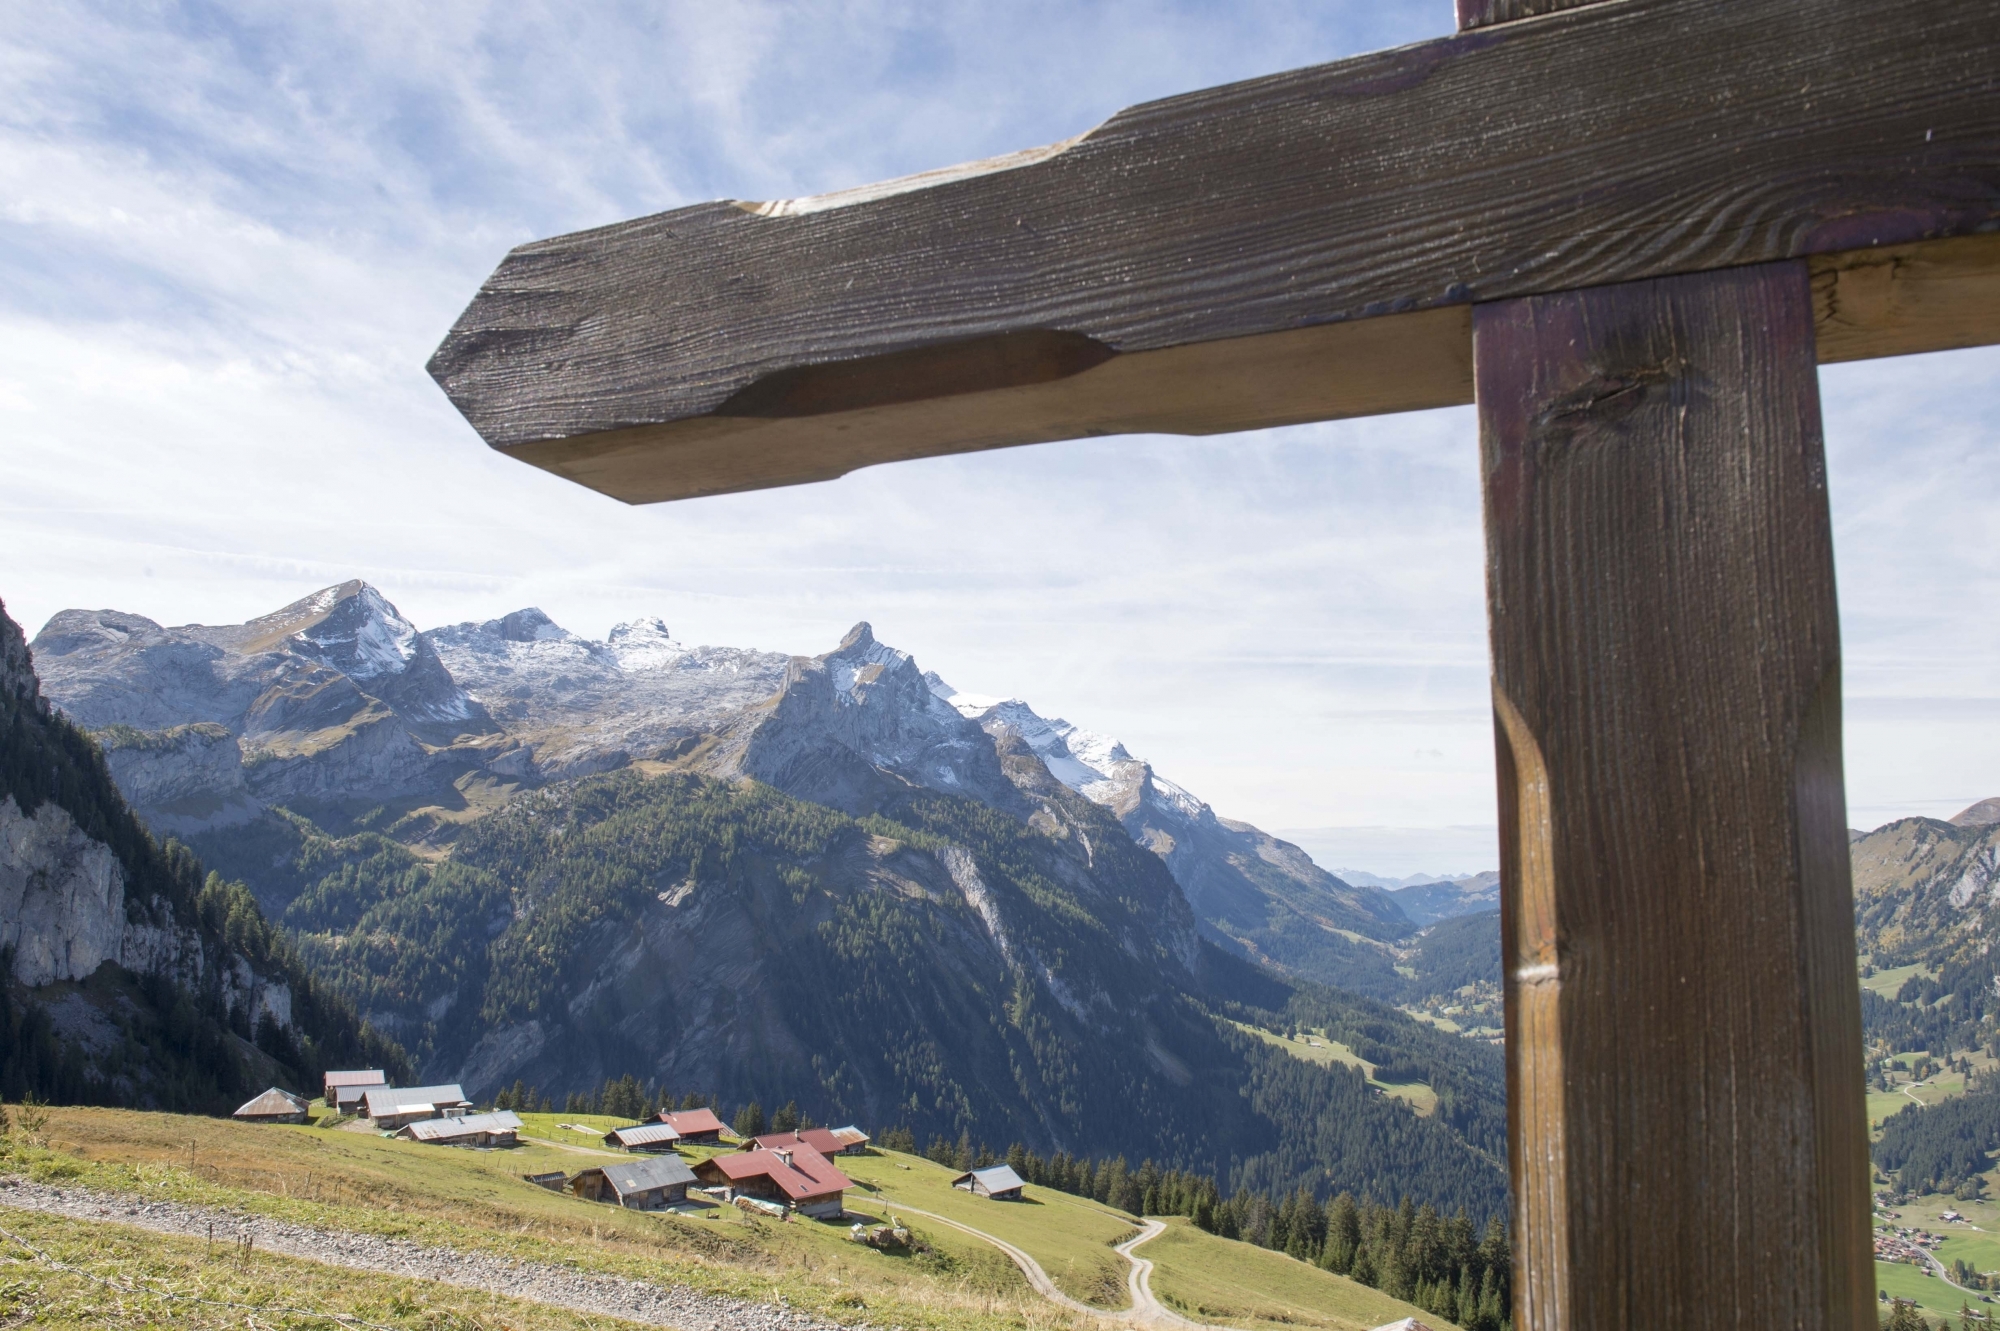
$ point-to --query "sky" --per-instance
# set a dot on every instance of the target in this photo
(230, 236)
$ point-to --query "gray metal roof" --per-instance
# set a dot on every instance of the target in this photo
(643, 1134)
(393, 1099)
(643, 1175)
(445, 1129)
(997, 1178)
(273, 1103)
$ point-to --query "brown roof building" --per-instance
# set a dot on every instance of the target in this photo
(820, 1139)
(694, 1125)
(796, 1176)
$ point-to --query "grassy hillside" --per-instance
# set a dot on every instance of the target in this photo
(1244, 1286)
(476, 1201)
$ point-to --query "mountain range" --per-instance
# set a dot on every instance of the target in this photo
(531, 856)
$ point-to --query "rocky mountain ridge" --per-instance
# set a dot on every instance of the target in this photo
(340, 708)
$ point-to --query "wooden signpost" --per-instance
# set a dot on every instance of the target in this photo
(1629, 229)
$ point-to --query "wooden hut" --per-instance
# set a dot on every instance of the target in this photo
(497, 1129)
(799, 1177)
(853, 1141)
(345, 1089)
(651, 1138)
(273, 1106)
(820, 1139)
(697, 1126)
(638, 1185)
(394, 1107)
(999, 1183)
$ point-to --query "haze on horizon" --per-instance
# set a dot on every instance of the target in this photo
(230, 241)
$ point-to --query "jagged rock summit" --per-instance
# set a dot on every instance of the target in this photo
(575, 706)
(336, 697)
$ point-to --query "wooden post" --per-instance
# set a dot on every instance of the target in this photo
(1688, 1140)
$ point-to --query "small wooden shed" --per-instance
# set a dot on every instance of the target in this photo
(999, 1183)
(651, 1138)
(637, 1185)
(699, 1126)
(273, 1106)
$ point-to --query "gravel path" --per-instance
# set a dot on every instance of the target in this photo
(613, 1296)
(1139, 1280)
(1030, 1268)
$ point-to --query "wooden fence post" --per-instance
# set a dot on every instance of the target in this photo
(1688, 1138)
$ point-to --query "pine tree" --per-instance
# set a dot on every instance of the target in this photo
(1343, 1234)
(786, 1119)
(749, 1120)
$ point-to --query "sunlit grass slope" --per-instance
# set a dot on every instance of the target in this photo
(129, 1278)
(1218, 1281)
(477, 1201)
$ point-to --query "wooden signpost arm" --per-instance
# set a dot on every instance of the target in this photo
(1291, 248)
(1688, 1142)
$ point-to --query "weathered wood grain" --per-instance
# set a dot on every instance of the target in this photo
(1937, 296)
(1485, 13)
(1600, 144)
(1689, 1147)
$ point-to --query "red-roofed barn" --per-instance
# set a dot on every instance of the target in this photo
(796, 1176)
(696, 1126)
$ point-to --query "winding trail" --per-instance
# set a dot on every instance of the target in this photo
(1145, 1310)
(1030, 1268)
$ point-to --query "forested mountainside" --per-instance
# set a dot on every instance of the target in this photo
(822, 881)
(1927, 893)
(131, 976)
(934, 965)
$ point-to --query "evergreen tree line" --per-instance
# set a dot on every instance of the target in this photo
(1446, 1266)
(1942, 1148)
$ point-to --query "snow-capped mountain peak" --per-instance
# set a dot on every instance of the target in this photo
(644, 644)
(362, 635)
(1093, 765)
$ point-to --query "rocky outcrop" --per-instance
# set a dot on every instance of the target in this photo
(1923, 888)
(184, 779)
(857, 726)
(62, 896)
(73, 861)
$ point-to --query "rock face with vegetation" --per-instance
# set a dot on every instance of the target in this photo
(131, 977)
